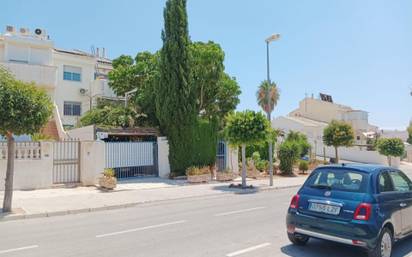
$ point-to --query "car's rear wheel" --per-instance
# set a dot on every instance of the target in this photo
(298, 239)
(384, 246)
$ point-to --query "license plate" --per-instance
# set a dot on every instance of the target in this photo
(324, 208)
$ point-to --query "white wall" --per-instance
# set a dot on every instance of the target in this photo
(163, 157)
(92, 161)
(354, 154)
(232, 161)
(83, 133)
(31, 174)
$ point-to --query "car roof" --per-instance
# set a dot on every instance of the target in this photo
(368, 168)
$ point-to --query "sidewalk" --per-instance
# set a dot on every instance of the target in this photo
(62, 201)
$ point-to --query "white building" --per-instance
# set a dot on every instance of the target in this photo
(74, 79)
(313, 115)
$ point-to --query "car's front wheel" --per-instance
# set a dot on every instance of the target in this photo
(384, 246)
(298, 239)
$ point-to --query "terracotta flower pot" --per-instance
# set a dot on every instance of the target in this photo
(107, 182)
(225, 176)
(198, 178)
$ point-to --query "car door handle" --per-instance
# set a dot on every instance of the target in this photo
(403, 205)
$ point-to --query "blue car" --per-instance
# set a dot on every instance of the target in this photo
(367, 206)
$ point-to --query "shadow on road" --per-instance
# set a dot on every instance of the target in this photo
(235, 190)
(320, 248)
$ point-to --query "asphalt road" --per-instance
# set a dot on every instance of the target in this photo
(232, 225)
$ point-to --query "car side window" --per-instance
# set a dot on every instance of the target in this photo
(400, 182)
(385, 183)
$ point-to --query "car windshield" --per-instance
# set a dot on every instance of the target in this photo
(339, 180)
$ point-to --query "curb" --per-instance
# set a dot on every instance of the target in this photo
(12, 217)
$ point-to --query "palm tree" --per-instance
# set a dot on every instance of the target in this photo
(267, 98)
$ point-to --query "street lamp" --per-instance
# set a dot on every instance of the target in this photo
(272, 38)
(127, 94)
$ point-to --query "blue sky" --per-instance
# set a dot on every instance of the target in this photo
(360, 52)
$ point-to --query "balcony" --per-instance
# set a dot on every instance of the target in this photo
(43, 75)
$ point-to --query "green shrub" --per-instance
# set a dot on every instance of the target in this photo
(288, 155)
(260, 164)
(303, 166)
(301, 140)
(109, 173)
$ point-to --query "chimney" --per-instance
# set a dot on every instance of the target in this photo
(104, 53)
(97, 52)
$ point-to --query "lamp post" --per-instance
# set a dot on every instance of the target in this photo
(127, 94)
(272, 38)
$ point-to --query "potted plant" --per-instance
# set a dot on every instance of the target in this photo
(198, 175)
(225, 175)
(108, 180)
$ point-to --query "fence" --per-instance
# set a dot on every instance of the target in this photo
(132, 159)
(23, 151)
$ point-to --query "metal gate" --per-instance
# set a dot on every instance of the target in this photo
(66, 162)
(221, 155)
(132, 159)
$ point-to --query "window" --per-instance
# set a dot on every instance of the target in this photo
(385, 183)
(400, 182)
(339, 180)
(72, 73)
(72, 109)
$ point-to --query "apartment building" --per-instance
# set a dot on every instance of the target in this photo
(74, 79)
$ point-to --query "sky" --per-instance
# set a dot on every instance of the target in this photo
(360, 52)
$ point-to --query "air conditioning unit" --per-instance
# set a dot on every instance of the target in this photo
(24, 31)
(10, 29)
(40, 32)
(83, 91)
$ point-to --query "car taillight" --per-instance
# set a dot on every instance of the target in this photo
(363, 212)
(294, 204)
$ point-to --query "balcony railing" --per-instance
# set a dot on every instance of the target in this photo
(42, 75)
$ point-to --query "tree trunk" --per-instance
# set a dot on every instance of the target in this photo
(336, 155)
(8, 188)
(243, 165)
(270, 156)
(389, 161)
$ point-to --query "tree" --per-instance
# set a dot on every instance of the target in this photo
(217, 93)
(175, 96)
(141, 73)
(301, 140)
(113, 116)
(338, 133)
(391, 147)
(24, 109)
(409, 129)
(267, 98)
(246, 128)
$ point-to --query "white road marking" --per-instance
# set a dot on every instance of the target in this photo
(247, 250)
(19, 249)
(142, 228)
(240, 211)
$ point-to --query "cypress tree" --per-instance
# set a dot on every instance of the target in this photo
(175, 101)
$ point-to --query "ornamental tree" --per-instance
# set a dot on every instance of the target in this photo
(409, 129)
(391, 147)
(175, 96)
(338, 133)
(246, 128)
(24, 109)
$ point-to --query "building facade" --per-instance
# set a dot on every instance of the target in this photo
(74, 79)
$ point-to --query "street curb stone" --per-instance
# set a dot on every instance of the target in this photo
(12, 217)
